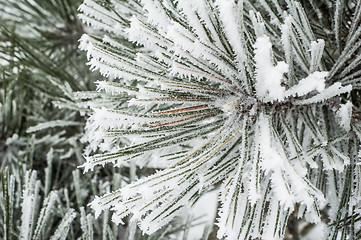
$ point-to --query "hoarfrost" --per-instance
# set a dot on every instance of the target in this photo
(344, 115)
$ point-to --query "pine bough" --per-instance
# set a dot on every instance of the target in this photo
(234, 94)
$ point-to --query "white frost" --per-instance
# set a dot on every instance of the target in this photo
(332, 91)
(315, 81)
(344, 115)
(268, 77)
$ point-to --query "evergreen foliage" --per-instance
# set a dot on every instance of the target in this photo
(256, 98)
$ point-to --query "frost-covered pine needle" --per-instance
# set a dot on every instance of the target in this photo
(218, 96)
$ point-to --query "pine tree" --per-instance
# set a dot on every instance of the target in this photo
(258, 99)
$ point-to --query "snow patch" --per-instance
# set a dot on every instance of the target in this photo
(343, 115)
(315, 81)
(268, 77)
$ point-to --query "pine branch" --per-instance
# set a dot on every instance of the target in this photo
(257, 72)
